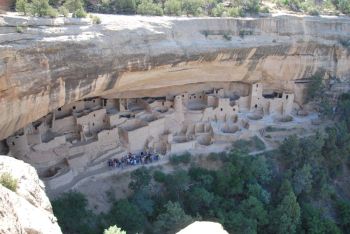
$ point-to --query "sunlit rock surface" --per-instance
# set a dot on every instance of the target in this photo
(203, 227)
(28, 210)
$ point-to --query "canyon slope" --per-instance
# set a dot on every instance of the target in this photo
(47, 63)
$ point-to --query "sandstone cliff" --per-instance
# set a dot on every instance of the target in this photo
(56, 61)
(27, 210)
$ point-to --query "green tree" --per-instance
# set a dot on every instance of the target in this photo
(121, 6)
(302, 179)
(140, 179)
(22, 6)
(63, 11)
(284, 190)
(286, 217)
(176, 184)
(192, 7)
(218, 10)
(72, 214)
(290, 151)
(76, 7)
(259, 192)
(73, 5)
(251, 6)
(344, 6)
(202, 177)
(260, 169)
(147, 7)
(236, 222)
(114, 230)
(199, 200)
(343, 109)
(172, 219)
(127, 216)
(142, 199)
(315, 87)
(42, 8)
(313, 221)
(254, 209)
(172, 7)
(343, 213)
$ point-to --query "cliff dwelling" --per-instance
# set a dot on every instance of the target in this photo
(127, 121)
(84, 135)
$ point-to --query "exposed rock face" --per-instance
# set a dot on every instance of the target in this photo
(28, 210)
(55, 62)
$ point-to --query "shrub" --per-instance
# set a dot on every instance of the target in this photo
(274, 129)
(63, 11)
(80, 13)
(147, 7)
(127, 216)
(235, 12)
(206, 33)
(96, 20)
(159, 176)
(344, 6)
(73, 5)
(177, 159)
(243, 33)
(120, 6)
(294, 5)
(213, 157)
(8, 181)
(218, 10)
(22, 6)
(172, 7)
(315, 87)
(192, 7)
(251, 6)
(227, 37)
(19, 29)
(42, 8)
(313, 11)
(53, 13)
(244, 145)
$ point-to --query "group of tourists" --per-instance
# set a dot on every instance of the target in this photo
(133, 159)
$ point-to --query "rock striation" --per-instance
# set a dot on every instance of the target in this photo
(47, 63)
(28, 210)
